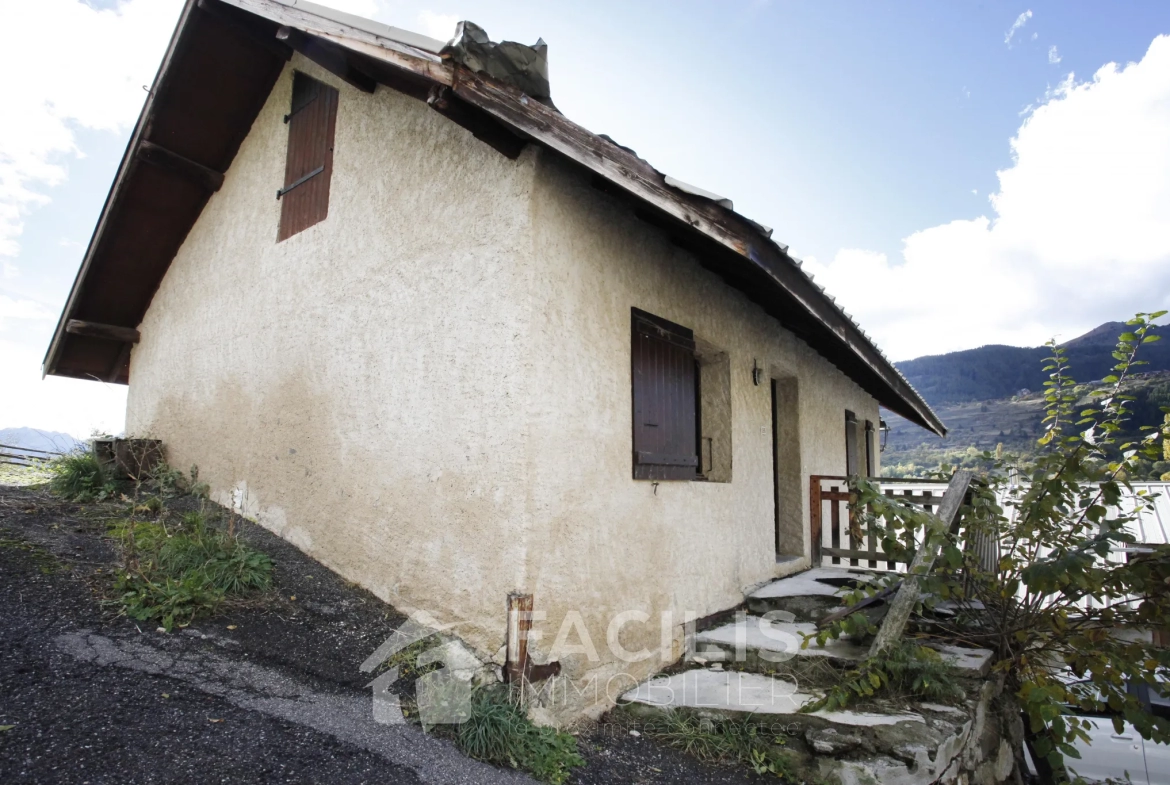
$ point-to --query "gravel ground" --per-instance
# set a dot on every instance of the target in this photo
(259, 694)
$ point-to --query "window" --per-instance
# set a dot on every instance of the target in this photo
(665, 380)
(308, 165)
(852, 455)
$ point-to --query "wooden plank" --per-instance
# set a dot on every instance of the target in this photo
(868, 602)
(107, 332)
(329, 56)
(662, 459)
(924, 558)
(856, 553)
(835, 523)
(519, 627)
(29, 449)
(157, 155)
(815, 513)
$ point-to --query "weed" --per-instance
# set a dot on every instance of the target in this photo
(723, 739)
(499, 732)
(80, 477)
(406, 660)
(906, 671)
(174, 576)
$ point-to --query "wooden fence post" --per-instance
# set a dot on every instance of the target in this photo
(903, 605)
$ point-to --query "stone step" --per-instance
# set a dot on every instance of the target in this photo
(894, 746)
(808, 595)
(734, 692)
(754, 643)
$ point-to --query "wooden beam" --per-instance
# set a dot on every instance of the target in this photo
(903, 603)
(106, 332)
(482, 126)
(329, 56)
(157, 155)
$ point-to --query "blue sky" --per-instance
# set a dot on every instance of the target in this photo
(869, 135)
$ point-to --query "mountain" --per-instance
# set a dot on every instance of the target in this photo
(33, 439)
(993, 372)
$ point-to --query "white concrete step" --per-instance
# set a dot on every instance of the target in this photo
(733, 692)
(808, 595)
(755, 643)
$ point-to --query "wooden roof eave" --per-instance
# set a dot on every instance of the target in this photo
(732, 237)
(49, 365)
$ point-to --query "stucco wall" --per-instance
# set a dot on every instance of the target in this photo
(429, 391)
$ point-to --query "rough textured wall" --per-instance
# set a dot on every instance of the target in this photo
(602, 540)
(356, 388)
(429, 391)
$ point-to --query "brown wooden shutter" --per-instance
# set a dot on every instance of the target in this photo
(852, 455)
(308, 166)
(665, 409)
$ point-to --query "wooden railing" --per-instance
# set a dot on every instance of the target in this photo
(24, 456)
(834, 540)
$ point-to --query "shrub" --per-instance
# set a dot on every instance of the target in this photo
(499, 732)
(80, 477)
(173, 577)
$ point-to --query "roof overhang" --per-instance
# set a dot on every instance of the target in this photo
(218, 71)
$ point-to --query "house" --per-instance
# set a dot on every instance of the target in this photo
(401, 311)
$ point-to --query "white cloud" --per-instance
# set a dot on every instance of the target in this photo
(112, 53)
(440, 26)
(366, 8)
(1080, 232)
(75, 406)
(11, 309)
(1021, 20)
(1053, 55)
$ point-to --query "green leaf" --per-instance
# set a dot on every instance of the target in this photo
(1151, 338)
(6, 728)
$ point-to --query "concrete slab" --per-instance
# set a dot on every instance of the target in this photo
(817, 582)
(774, 641)
(731, 691)
(969, 661)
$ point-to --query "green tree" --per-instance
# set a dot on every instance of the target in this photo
(1043, 571)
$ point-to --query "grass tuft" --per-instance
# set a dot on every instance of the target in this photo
(904, 672)
(723, 739)
(175, 575)
(80, 477)
(499, 732)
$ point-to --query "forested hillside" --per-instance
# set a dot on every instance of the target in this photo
(992, 372)
(995, 395)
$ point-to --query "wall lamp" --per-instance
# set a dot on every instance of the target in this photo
(757, 373)
(884, 427)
